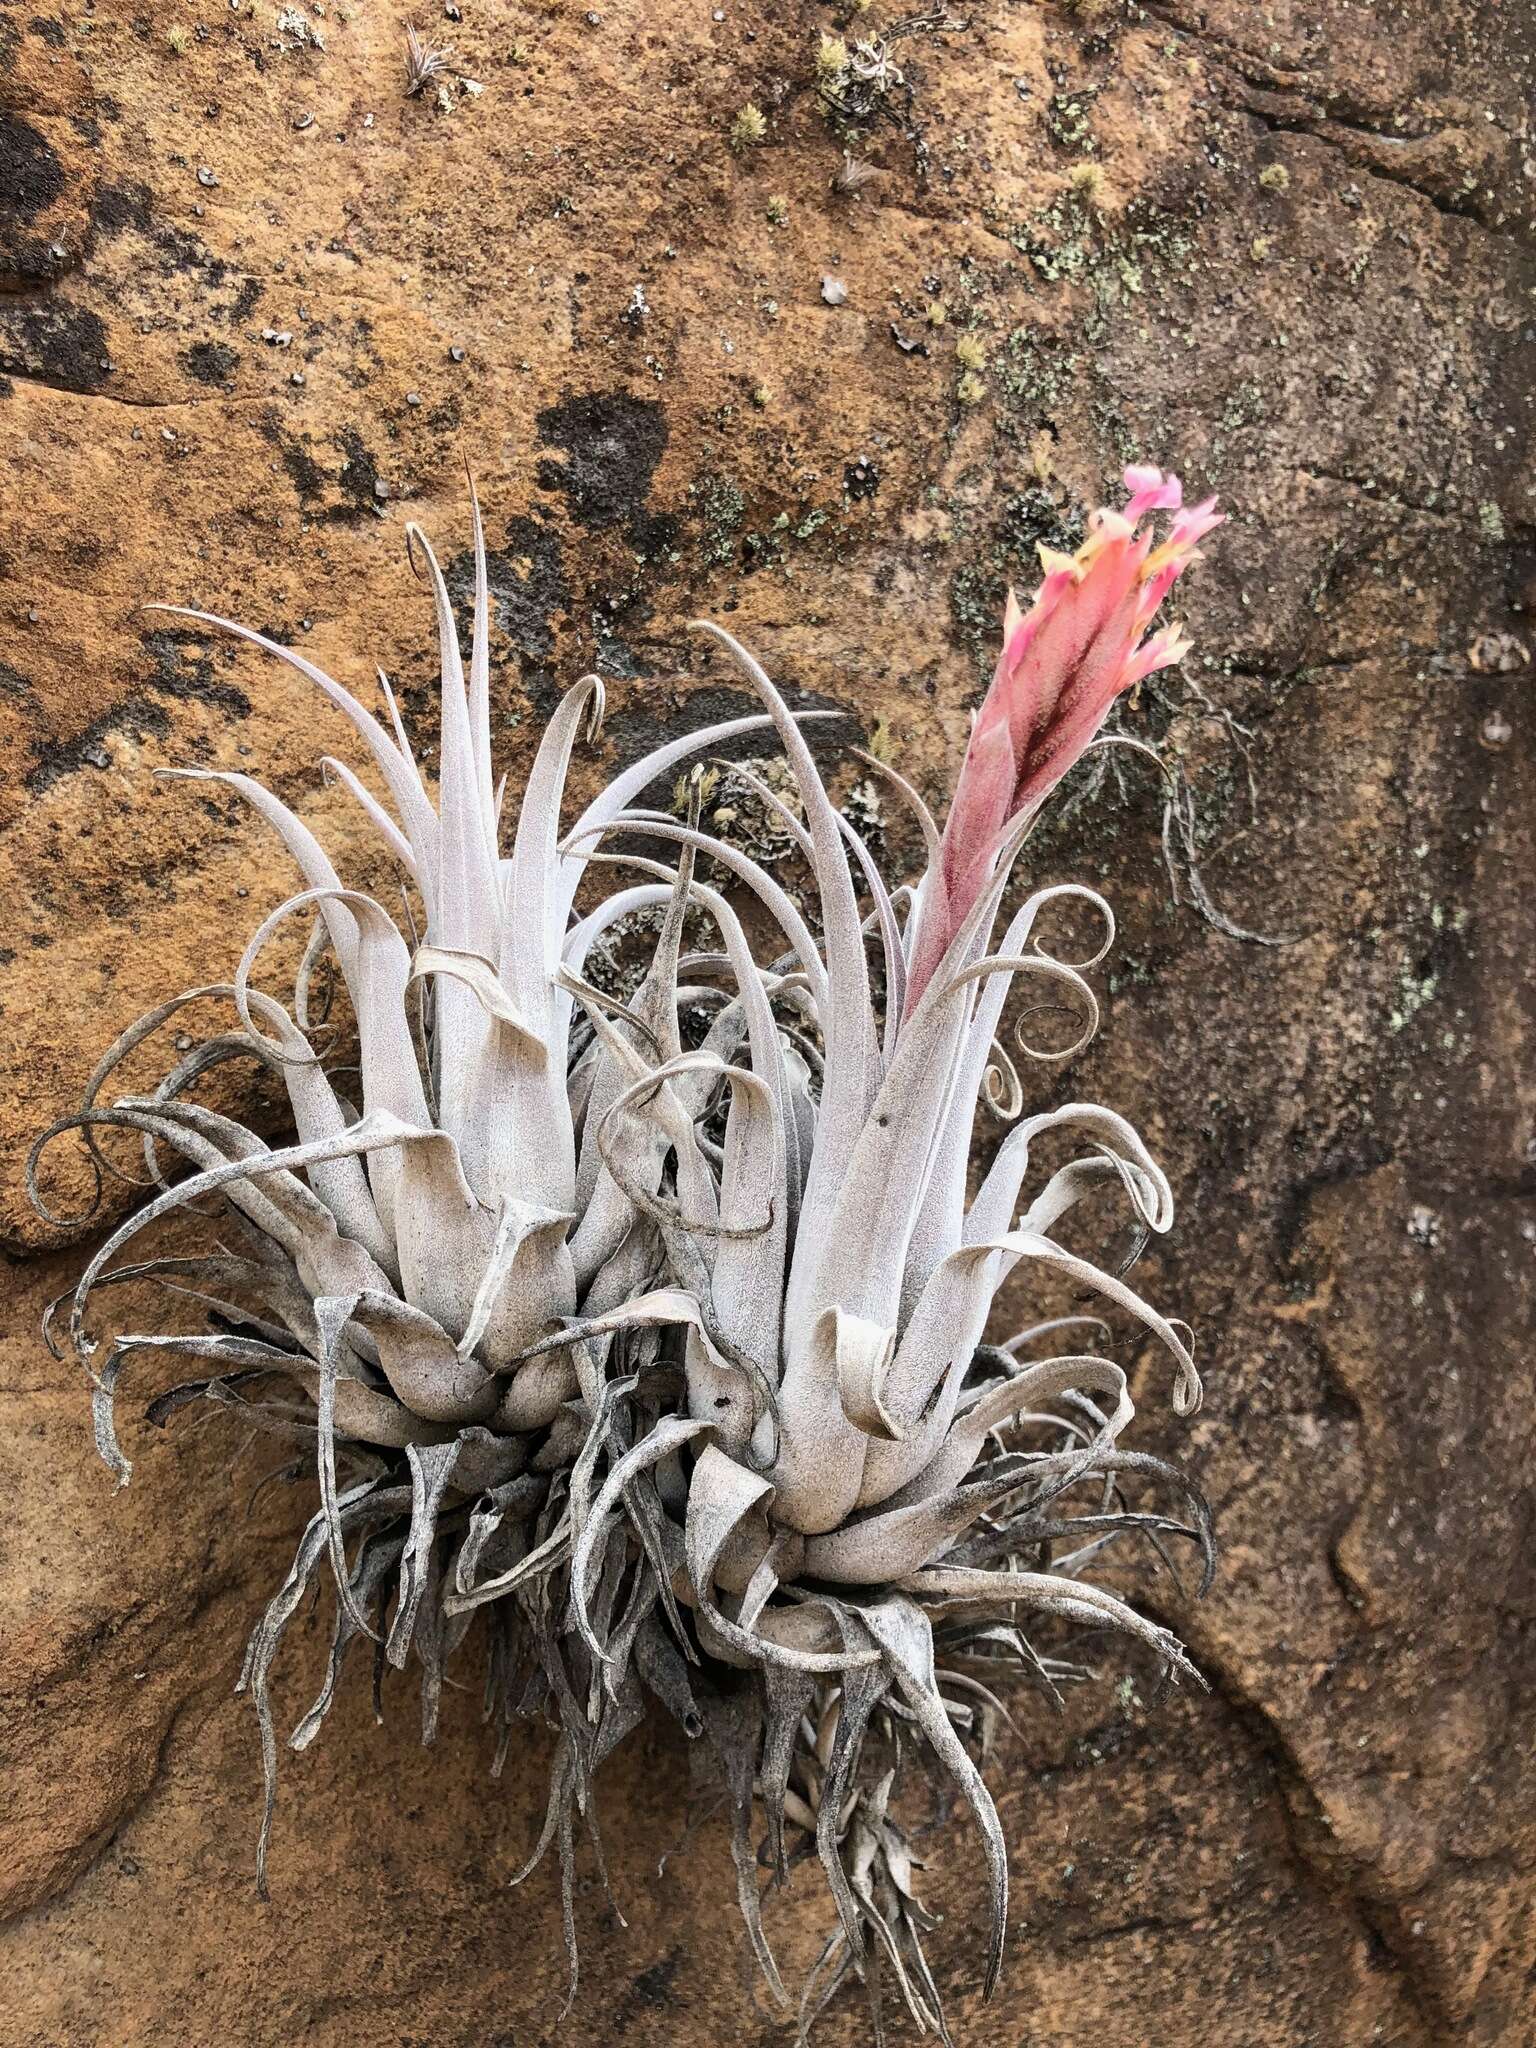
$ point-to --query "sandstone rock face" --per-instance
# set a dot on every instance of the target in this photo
(256, 308)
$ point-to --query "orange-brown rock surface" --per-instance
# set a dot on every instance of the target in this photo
(256, 308)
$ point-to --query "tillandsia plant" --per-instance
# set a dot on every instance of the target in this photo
(654, 1330)
(379, 1288)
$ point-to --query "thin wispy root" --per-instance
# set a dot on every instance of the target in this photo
(644, 1338)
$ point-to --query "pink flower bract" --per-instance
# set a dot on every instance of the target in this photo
(1081, 643)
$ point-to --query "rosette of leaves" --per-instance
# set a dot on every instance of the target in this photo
(456, 1183)
(863, 1501)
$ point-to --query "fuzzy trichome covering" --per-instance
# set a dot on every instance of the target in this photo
(642, 1339)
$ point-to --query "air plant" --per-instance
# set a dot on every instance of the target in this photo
(867, 1464)
(854, 176)
(378, 1284)
(425, 63)
(655, 1330)
(860, 81)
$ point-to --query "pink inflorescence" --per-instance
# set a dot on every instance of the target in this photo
(1082, 642)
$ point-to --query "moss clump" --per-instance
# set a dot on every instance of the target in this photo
(749, 129)
(831, 60)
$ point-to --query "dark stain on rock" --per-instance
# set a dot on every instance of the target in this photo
(359, 478)
(121, 206)
(32, 180)
(246, 298)
(31, 176)
(356, 479)
(54, 759)
(83, 551)
(528, 592)
(52, 32)
(210, 362)
(117, 209)
(184, 669)
(62, 345)
(643, 726)
(615, 657)
(1347, 1160)
(307, 476)
(612, 445)
(527, 588)
(653, 1987)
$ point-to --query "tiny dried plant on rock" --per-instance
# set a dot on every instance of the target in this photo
(649, 1340)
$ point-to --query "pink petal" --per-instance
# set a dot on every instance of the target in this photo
(1151, 491)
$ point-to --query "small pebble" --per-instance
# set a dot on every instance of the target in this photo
(1496, 731)
(380, 488)
(455, 354)
(302, 121)
(413, 398)
(297, 377)
(205, 176)
(834, 291)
